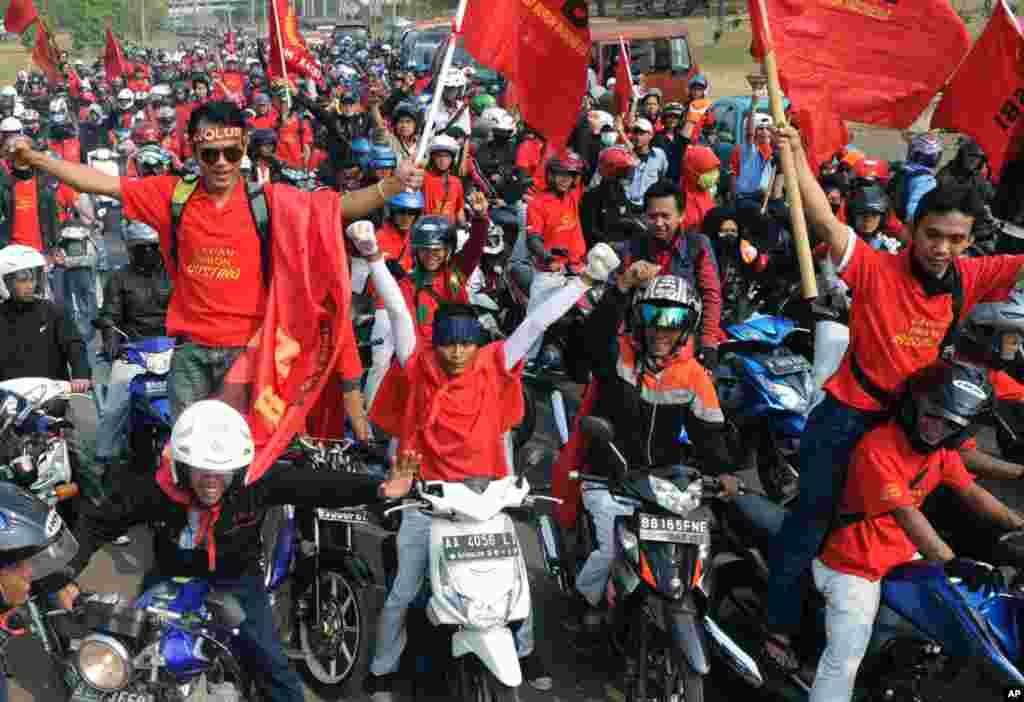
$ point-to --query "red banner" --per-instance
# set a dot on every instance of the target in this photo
(280, 376)
(623, 83)
(543, 46)
(882, 61)
(113, 58)
(985, 99)
(46, 57)
(287, 47)
(19, 16)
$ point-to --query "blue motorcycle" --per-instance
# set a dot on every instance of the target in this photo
(765, 385)
(931, 631)
(150, 420)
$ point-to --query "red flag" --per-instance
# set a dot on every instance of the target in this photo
(623, 82)
(113, 58)
(74, 83)
(46, 57)
(823, 131)
(281, 374)
(761, 41)
(287, 47)
(229, 42)
(20, 14)
(883, 67)
(541, 45)
(986, 96)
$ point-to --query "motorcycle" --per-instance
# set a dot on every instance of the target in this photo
(929, 630)
(765, 384)
(661, 576)
(478, 583)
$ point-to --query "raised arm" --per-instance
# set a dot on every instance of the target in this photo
(82, 178)
(358, 204)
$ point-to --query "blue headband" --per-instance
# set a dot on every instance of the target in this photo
(458, 329)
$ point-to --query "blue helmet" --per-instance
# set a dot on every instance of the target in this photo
(382, 157)
(361, 151)
(407, 202)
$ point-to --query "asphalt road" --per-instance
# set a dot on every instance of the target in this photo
(581, 672)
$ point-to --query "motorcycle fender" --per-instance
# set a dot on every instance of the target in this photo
(495, 648)
(353, 566)
(688, 633)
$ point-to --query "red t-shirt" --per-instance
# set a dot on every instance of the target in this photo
(26, 230)
(895, 329)
(443, 195)
(886, 474)
(267, 121)
(219, 298)
(291, 137)
(557, 221)
(393, 246)
(423, 305)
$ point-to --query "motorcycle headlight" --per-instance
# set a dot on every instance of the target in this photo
(104, 663)
(158, 363)
(670, 497)
(790, 399)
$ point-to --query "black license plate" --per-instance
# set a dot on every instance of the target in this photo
(343, 516)
(672, 529)
(478, 547)
(84, 693)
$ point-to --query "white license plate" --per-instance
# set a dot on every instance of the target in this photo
(672, 529)
(345, 516)
(156, 387)
(478, 547)
(84, 693)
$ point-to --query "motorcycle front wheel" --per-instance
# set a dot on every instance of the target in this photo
(331, 649)
(474, 682)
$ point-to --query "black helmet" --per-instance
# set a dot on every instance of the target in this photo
(869, 200)
(432, 231)
(944, 404)
(983, 335)
(406, 108)
(30, 530)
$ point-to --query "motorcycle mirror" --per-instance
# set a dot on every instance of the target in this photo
(598, 429)
(225, 609)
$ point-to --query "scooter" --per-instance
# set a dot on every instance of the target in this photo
(478, 581)
(765, 383)
(930, 629)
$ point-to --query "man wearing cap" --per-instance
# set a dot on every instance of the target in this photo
(265, 117)
(753, 162)
(652, 163)
(217, 266)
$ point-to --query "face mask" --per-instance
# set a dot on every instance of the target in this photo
(708, 181)
(609, 138)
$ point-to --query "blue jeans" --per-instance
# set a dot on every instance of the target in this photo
(261, 651)
(80, 300)
(832, 430)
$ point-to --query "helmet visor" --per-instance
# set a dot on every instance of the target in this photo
(674, 317)
(934, 426)
(55, 557)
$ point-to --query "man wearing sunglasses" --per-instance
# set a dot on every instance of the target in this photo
(216, 254)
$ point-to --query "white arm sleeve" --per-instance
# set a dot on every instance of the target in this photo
(401, 321)
(535, 324)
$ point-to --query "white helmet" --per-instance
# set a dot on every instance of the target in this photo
(443, 143)
(10, 125)
(211, 436)
(455, 78)
(126, 95)
(15, 258)
(8, 91)
(58, 106)
(498, 118)
(495, 243)
(163, 90)
(604, 119)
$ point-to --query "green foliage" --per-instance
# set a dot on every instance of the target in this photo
(86, 20)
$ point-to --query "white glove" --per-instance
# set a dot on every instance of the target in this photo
(601, 261)
(363, 237)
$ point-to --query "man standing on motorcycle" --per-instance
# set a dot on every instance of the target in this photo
(36, 339)
(215, 308)
(207, 522)
(880, 524)
(454, 399)
(932, 287)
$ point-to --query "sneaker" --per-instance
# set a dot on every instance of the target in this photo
(122, 540)
(380, 688)
(536, 673)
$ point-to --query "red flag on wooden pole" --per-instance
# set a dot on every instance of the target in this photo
(19, 16)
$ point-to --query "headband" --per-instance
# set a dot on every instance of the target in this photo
(458, 329)
(217, 133)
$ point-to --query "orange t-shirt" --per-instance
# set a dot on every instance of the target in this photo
(886, 474)
(443, 195)
(26, 229)
(393, 246)
(291, 137)
(557, 221)
(457, 424)
(895, 329)
(219, 298)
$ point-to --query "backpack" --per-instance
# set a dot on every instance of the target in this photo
(258, 207)
(898, 191)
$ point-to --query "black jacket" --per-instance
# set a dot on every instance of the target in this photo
(140, 500)
(136, 302)
(602, 210)
(46, 207)
(646, 433)
(38, 341)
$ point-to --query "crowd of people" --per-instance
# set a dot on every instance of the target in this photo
(179, 162)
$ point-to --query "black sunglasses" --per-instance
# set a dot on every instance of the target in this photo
(232, 154)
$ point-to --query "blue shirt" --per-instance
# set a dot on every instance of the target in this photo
(920, 180)
(755, 170)
(649, 171)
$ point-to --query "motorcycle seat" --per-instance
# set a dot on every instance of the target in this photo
(478, 484)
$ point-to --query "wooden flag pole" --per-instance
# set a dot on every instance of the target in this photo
(435, 103)
(808, 282)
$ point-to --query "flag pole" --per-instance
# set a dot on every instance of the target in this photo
(280, 51)
(633, 96)
(435, 103)
(808, 282)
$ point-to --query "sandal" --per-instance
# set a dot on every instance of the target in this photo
(779, 654)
